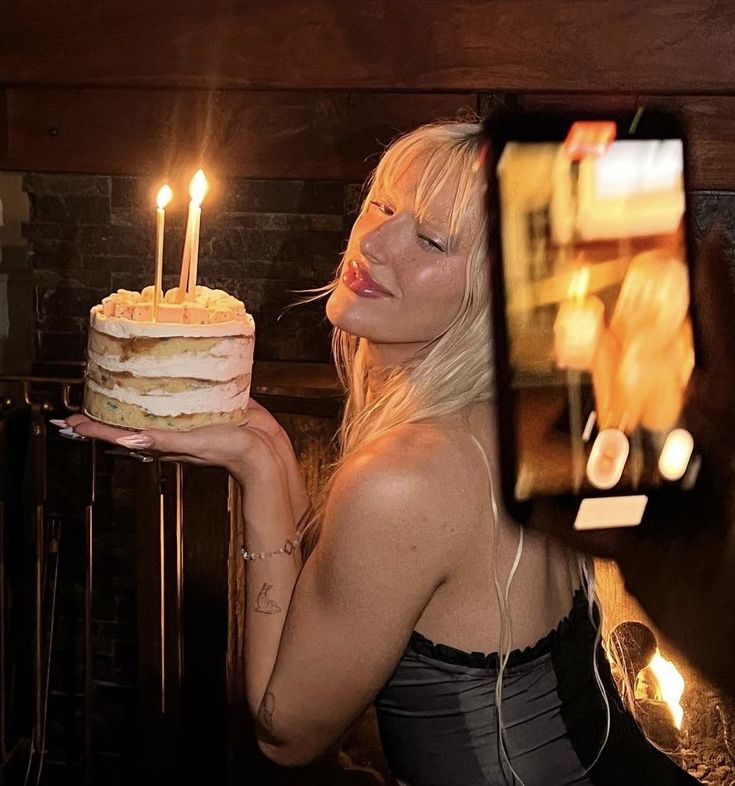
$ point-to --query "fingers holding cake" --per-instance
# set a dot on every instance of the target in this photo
(86, 427)
(242, 450)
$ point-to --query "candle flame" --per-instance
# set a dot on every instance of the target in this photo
(198, 187)
(579, 284)
(164, 196)
(670, 683)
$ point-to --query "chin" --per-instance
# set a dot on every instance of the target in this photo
(378, 320)
(356, 316)
(341, 313)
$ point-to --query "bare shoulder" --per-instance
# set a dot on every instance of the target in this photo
(416, 487)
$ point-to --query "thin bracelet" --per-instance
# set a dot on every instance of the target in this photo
(288, 548)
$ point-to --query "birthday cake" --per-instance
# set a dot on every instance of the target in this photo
(189, 367)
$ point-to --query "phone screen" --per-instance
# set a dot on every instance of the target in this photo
(599, 338)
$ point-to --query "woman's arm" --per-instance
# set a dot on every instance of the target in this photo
(260, 419)
(391, 535)
(270, 523)
(322, 639)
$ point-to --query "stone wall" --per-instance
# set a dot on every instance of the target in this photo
(260, 240)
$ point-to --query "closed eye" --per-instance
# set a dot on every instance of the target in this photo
(384, 207)
(435, 244)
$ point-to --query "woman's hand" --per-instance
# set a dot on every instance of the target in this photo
(257, 450)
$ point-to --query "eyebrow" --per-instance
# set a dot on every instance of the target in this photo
(386, 191)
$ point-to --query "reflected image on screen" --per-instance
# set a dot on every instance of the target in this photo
(597, 311)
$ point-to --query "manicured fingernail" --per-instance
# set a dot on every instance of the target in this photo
(58, 423)
(69, 433)
(135, 441)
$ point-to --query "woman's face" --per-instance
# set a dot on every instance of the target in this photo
(401, 281)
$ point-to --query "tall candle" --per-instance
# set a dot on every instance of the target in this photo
(190, 261)
(162, 199)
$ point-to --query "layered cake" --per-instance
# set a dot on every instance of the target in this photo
(188, 368)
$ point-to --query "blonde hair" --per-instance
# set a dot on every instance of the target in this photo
(455, 368)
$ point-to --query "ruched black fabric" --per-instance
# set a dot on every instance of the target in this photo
(480, 660)
(438, 718)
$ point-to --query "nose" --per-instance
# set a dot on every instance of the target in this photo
(376, 242)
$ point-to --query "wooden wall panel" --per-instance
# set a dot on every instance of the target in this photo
(263, 134)
(680, 46)
(232, 133)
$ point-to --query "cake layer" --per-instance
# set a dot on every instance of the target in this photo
(122, 327)
(153, 385)
(222, 397)
(100, 406)
(212, 358)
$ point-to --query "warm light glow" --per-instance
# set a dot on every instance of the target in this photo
(607, 458)
(578, 325)
(671, 685)
(677, 451)
(198, 187)
(579, 284)
(164, 197)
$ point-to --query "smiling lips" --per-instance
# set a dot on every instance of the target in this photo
(359, 281)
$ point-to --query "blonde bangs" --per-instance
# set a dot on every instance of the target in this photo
(454, 370)
(448, 156)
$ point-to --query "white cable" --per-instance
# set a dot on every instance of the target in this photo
(590, 585)
(506, 635)
(506, 631)
(507, 639)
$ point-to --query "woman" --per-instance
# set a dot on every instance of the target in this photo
(415, 572)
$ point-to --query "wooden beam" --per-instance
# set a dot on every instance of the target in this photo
(264, 134)
(234, 133)
(680, 46)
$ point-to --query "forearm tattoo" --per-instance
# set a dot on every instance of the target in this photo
(264, 604)
(265, 719)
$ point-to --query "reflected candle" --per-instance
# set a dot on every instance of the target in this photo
(578, 325)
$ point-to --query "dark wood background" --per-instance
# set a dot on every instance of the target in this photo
(682, 46)
(305, 88)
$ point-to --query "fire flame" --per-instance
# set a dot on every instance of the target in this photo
(671, 685)
(579, 284)
(164, 196)
(198, 187)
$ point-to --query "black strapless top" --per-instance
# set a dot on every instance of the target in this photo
(438, 717)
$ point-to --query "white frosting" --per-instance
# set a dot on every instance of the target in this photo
(120, 327)
(215, 398)
(227, 359)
